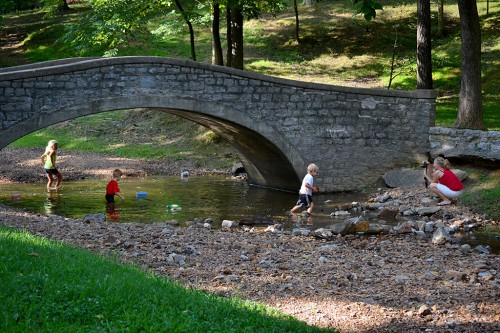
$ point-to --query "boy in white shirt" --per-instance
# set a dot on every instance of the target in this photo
(306, 191)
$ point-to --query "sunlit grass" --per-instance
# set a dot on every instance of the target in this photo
(482, 191)
(48, 286)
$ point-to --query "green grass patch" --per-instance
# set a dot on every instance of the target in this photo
(482, 191)
(48, 286)
(139, 134)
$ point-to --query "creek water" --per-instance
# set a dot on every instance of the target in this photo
(216, 197)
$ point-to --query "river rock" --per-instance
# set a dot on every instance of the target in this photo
(94, 218)
(301, 232)
(424, 211)
(440, 236)
(388, 214)
(276, 228)
(228, 224)
(342, 228)
(323, 233)
(404, 178)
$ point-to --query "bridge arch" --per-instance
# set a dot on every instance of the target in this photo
(228, 123)
(277, 126)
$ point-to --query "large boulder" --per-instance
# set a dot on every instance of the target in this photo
(404, 178)
(412, 177)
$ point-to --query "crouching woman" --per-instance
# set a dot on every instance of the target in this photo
(444, 182)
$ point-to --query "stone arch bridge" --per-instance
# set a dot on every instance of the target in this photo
(277, 126)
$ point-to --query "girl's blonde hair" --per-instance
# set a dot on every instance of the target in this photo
(444, 163)
(49, 146)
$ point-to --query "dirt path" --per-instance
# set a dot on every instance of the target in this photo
(23, 165)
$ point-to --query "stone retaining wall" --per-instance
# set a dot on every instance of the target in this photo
(465, 143)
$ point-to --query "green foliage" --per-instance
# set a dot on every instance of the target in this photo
(335, 48)
(367, 7)
(7, 6)
(48, 286)
(111, 24)
(482, 190)
(130, 133)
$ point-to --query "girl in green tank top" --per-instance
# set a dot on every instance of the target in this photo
(49, 163)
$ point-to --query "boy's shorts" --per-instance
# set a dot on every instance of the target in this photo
(110, 198)
(304, 200)
(52, 171)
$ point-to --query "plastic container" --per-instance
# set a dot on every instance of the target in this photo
(16, 196)
(174, 207)
(141, 195)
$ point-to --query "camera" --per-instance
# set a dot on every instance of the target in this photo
(424, 165)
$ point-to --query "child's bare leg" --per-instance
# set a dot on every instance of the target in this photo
(294, 209)
(59, 179)
(49, 183)
(310, 209)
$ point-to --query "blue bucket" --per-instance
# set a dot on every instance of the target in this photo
(140, 195)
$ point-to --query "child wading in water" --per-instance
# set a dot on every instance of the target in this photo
(112, 190)
(306, 191)
(49, 163)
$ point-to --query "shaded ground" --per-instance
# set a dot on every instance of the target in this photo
(385, 283)
(23, 165)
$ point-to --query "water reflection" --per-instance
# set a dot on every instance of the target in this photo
(112, 213)
(216, 197)
(53, 202)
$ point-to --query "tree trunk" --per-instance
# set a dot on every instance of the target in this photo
(229, 54)
(424, 58)
(64, 6)
(217, 58)
(391, 76)
(297, 38)
(470, 113)
(190, 26)
(237, 38)
(441, 19)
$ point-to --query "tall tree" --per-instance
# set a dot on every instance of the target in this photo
(237, 11)
(424, 58)
(441, 19)
(236, 32)
(186, 18)
(217, 57)
(296, 9)
(470, 113)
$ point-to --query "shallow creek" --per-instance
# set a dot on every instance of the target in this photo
(216, 197)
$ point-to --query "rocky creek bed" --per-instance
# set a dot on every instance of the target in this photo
(412, 277)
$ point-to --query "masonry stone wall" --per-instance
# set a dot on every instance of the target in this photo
(277, 126)
(465, 143)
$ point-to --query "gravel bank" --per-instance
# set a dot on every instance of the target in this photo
(384, 283)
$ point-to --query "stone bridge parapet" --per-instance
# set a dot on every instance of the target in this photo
(277, 126)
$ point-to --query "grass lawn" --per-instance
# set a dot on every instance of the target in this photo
(48, 286)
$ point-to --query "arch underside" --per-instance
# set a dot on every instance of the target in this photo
(265, 163)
